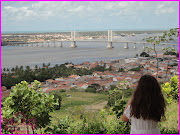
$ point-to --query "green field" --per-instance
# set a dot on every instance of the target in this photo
(88, 100)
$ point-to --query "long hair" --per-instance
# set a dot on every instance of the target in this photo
(148, 101)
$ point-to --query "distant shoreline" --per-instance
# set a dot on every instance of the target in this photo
(67, 31)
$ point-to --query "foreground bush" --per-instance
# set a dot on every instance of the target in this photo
(171, 89)
(31, 103)
(81, 122)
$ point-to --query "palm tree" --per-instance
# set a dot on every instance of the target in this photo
(44, 64)
(48, 64)
(21, 67)
(13, 69)
(8, 69)
(36, 67)
(16, 68)
(27, 68)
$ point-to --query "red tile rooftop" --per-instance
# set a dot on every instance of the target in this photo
(52, 89)
(171, 67)
(50, 80)
(56, 82)
(3, 88)
(93, 65)
(101, 62)
(59, 78)
(5, 93)
(86, 63)
(66, 82)
(67, 78)
(98, 72)
(83, 84)
(73, 76)
(65, 87)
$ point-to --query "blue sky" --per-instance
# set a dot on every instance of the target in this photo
(88, 15)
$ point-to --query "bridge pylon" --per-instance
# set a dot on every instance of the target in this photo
(73, 42)
(109, 46)
(144, 45)
(135, 45)
(126, 45)
(60, 44)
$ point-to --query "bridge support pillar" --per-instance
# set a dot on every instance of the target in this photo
(163, 46)
(143, 45)
(173, 47)
(110, 45)
(73, 44)
(48, 44)
(135, 46)
(126, 45)
(61, 44)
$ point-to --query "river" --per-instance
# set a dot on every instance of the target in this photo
(85, 51)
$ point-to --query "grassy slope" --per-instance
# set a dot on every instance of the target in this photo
(172, 116)
(77, 99)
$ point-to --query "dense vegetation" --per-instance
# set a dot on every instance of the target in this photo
(19, 74)
(35, 104)
(31, 103)
(107, 121)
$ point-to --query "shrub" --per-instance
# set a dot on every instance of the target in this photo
(171, 89)
(144, 54)
(164, 130)
(103, 122)
(91, 90)
(135, 69)
(177, 54)
(121, 70)
(170, 53)
(76, 89)
(32, 102)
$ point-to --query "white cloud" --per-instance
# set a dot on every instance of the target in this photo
(94, 9)
(168, 7)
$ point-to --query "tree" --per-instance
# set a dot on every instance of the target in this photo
(95, 86)
(92, 90)
(7, 70)
(13, 69)
(144, 54)
(27, 68)
(32, 102)
(16, 68)
(44, 65)
(171, 89)
(121, 70)
(36, 67)
(167, 37)
(48, 64)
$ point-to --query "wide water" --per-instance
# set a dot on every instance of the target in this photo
(85, 51)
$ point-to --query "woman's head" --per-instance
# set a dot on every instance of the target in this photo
(148, 101)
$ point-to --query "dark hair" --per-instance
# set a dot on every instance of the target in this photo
(148, 101)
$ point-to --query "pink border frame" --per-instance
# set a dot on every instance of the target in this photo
(85, 0)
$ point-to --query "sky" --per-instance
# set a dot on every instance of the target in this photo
(88, 15)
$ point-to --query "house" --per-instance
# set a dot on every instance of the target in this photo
(78, 66)
(59, 79)
(5, 93)
(74, 76)
(83, 85)
(93, 65)
(3, 88)
(69, 65)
